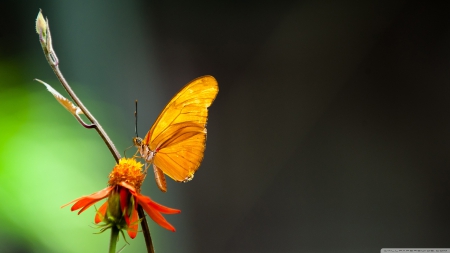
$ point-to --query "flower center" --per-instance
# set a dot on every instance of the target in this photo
(128, 170)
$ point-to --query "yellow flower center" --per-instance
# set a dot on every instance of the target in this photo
(128, 170)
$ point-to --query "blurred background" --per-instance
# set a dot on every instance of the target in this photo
(330, 132)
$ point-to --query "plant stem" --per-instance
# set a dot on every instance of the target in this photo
(88, 114)
(52, 59)
(113, 240)
(146, 232)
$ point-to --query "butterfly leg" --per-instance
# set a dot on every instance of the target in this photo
(146, 167)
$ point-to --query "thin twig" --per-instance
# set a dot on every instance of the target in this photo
(45, 39)
(146, 231)
(88, 114)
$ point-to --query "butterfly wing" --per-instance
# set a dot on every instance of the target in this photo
(178, 135)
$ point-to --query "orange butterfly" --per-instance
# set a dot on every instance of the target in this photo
(176, 141)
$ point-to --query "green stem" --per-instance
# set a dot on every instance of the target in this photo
(114, 239)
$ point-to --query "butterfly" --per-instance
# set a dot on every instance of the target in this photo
(176, 142)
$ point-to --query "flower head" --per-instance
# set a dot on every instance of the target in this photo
(124, 196)
(128, 171)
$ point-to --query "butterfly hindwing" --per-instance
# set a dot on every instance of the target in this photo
(181, 160)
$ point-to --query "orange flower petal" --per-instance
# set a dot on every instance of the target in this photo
(152, 208)
(75, 200)
(101, 212)
(87, 201)
(134, 223)
(161, 208)
(128, 186)
(88, 205)
(124, 197)
(155, 215)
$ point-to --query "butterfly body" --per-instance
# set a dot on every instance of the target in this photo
(144, 150)
(176, 142)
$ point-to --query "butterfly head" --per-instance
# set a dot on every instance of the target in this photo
(137, 141)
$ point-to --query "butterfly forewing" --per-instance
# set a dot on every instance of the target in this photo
(178, 132)
(178, 135)
(188, 105)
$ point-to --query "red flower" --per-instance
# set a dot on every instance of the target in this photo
(123, 197)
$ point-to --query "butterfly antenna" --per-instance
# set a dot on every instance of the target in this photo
(135, 129)
(135, 118)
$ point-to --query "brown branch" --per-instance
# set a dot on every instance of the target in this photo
(43, 29)
(146, 231)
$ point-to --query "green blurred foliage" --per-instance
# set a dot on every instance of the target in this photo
(47, 160)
